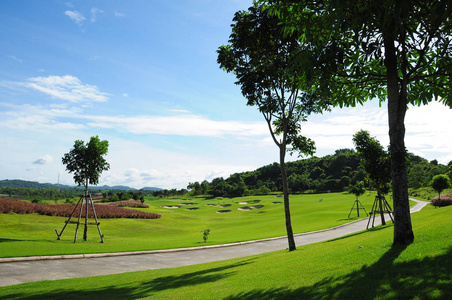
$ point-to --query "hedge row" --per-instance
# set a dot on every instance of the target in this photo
(65, 210)
(446, 199)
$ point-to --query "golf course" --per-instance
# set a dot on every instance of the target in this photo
(362, 265)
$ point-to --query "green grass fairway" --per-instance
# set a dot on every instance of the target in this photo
(359, 266)
(28, 235)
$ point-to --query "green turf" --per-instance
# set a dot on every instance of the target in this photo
(360, 266)
(26, 235)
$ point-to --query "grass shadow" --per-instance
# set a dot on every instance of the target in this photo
(2, 240)
(428, 278)
(145, 289)
(377, 228)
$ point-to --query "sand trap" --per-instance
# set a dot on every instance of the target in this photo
(244, 208)
(192, 208)
(249, 202)
(224, 205)
(210, 205)
(191, 203)
(276, 202)
(223, 211)
(171, 206)
(257, 206)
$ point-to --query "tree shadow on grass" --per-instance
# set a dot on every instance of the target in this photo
(145, 289)
(2, 240)
(428, 278)
(377, 228)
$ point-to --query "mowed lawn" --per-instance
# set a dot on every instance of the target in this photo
(28, 235)
(360, 266)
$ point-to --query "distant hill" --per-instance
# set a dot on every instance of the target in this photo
(17, 183)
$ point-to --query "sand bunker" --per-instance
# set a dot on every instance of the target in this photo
(171, 206)
(192, 208)
(244, 208)
(223, 211)
(276, 202)
(191, 203)
(257, 206)
(250, 202)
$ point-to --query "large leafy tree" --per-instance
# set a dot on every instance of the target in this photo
(394, 50)
(87, 161)
(262, 58)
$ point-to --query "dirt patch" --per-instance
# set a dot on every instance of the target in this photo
(223, 211)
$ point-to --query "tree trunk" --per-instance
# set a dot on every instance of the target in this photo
(290, 238)
(383, 222)
(85, 198)
(397, 106)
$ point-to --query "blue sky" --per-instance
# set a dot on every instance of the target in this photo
(143, 75)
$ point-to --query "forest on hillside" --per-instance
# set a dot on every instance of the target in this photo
(331, 173)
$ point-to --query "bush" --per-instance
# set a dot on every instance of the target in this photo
(445, 200)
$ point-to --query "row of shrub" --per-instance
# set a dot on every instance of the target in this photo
(444, 200)
(65, 210)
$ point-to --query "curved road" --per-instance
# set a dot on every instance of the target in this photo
(27, 269)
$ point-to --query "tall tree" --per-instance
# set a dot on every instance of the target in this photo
(262, 58)
(87, 161)
(395, 50)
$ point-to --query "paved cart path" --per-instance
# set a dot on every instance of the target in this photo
(19, 270)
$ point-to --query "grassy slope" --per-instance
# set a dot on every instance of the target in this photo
(363, 265)
(25, 235)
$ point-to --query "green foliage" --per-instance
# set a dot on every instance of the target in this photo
(440, 182)
(87, 161)
(358, 189)
(205, 234)
(374, 158)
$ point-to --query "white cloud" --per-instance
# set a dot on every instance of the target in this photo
(38, 118)
(15, 58)
(43, 160)
(118, 14)
(67, 87)
(94, 12)
(75, 16)
(184, 125)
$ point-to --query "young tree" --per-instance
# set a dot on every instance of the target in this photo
(440, 183)
(357, 189)
(87, 161)
(262, 58)
(397, 51)
(375, 161)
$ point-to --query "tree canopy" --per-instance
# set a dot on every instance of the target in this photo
(87, 161)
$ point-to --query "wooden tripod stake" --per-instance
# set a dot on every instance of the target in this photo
(380, 206)
(84, 200)
(358, 203)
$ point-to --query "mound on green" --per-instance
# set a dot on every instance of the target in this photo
(360, 266)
